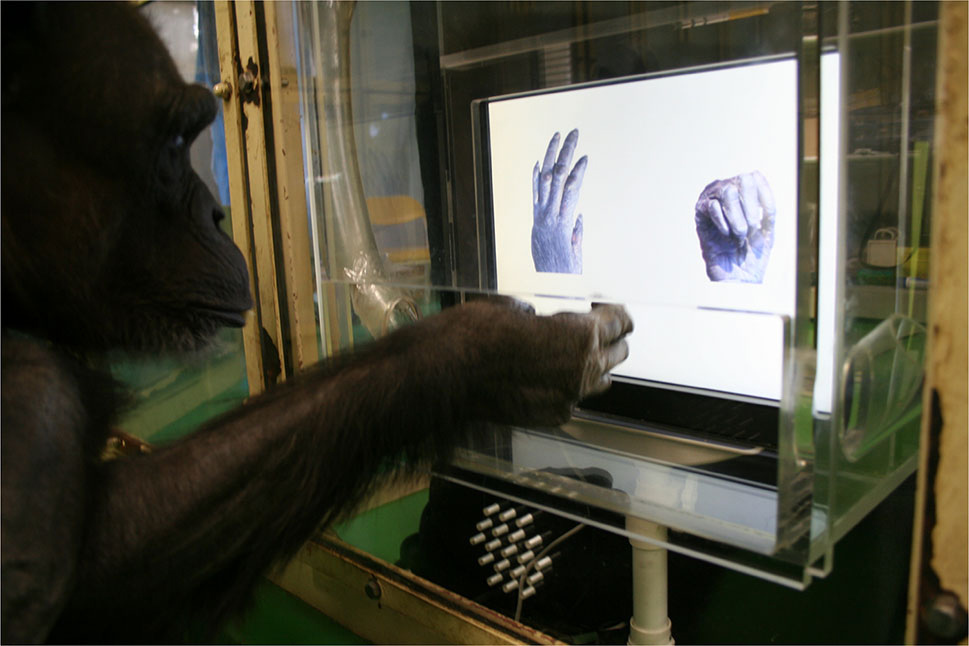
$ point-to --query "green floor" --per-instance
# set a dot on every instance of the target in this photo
(277, 617)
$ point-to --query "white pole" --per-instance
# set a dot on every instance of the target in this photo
(650, 623)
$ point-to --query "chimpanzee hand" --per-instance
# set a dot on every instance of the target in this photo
(531, 370)
(556, 230)
(607, 348)
(735, 224)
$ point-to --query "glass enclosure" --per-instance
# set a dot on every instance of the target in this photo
(748, 178)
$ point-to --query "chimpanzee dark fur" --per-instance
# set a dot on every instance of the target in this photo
(110, 241)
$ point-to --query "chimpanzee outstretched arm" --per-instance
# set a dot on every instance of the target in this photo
(185, 532)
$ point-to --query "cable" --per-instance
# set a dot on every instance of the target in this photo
(538, 557)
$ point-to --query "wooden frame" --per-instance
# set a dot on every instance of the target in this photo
(296, 249)
(264, 159)
(238, 196)
(939, 539)
(388, 605)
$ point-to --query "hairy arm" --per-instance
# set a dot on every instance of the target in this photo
(54, 413)
(189, 528)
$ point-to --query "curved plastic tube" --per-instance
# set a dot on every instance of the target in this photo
(379, 306)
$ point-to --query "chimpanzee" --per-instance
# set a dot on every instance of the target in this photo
(111, 242)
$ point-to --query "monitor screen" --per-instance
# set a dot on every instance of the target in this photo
(675, 194)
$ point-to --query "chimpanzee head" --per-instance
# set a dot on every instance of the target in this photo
(110, 239)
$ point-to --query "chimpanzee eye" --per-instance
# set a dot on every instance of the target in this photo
(178, 141)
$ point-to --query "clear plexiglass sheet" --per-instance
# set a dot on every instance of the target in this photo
(703, 164)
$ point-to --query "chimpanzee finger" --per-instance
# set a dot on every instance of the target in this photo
(607, 360)
(568, 148)
(544, 185)
(553, 148)
(555, 192)
(733, 211)
(615, 354)
(712, 210)
(754, 211)
(600, 385)
(764, 195)
(536, 173)
(570, 195)
(561, 170)
(613, 323)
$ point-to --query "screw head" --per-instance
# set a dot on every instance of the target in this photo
(945, 617)
(372, 589)
(223, 90)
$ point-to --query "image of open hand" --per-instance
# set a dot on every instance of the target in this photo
(557, 230)
(735, 224)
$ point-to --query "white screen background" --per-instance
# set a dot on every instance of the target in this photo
(653, 145)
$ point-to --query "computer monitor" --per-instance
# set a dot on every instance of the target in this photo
(688, 203)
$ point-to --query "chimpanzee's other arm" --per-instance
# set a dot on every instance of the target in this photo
(52, 412)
